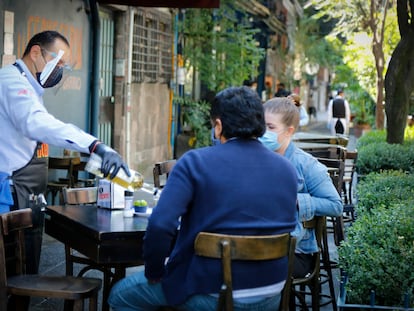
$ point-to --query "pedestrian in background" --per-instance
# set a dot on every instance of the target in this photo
(281, 91)
(339, 114)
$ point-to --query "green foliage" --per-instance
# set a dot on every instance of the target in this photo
(312, 47)
(375, 154)
(384, 156)
(348, 76)
(196, 116)
(372, 137)
(220, 45)
(383, 189)
(378, 255)
(379, 250)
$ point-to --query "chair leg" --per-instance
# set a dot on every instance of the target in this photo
(93, 303)
(78, 305)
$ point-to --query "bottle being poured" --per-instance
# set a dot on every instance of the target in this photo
(94, 166)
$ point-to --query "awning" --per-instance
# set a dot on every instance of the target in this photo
(166, 3)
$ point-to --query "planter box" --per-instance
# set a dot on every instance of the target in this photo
(343, 305)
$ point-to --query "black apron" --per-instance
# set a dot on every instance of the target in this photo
(32, 180)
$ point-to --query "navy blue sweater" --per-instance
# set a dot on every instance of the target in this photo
(239, 187)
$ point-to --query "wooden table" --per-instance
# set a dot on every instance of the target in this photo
(322, 150)
(321, 138)
(102, 235)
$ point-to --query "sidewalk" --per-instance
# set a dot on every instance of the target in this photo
(53, 255)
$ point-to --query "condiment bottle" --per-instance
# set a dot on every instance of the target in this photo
(129, 201)
(133, 182)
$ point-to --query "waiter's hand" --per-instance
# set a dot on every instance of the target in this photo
(111, 160)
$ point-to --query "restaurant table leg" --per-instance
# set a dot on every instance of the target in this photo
(109, 281)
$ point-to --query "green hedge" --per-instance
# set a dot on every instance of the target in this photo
(375, 154)
(378, 254)
(371, 137)
(383, 189)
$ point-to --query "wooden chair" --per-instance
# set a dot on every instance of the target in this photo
(318, 224)
(336, 169)
(72, 257)
(348, 184)
(234, 247)
(12, 254)
(161, 171)
(54, 187)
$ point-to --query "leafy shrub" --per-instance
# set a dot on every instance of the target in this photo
(383, 189)
(375, 157)
(379, 254)
(196, 115)
(371, 137)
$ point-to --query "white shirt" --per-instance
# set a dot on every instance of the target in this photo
(331, 120)
(24, 121)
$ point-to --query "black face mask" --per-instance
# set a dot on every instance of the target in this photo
(53, 79)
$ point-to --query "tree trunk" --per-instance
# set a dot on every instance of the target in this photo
(379, 111)
(399, 83)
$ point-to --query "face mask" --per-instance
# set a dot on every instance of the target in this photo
(51, 74)
(269, 140)
(214, 140)
(53, 79)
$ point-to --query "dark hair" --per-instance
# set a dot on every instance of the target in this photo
(240, 110)
(44, 39)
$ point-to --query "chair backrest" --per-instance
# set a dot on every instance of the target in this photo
(351, 158)
(67, 165)
(317, 223)
(336, 169)
(12, 248)
(333, 152)
(252, 248)
(161, 171)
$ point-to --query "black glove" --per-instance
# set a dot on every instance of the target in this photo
(111, 160)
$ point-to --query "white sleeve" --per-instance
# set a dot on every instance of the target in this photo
(304, 118)
(32, 119)
(347, 112)
(329, 111)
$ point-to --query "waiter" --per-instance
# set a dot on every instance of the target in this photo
(26, 128)
(339, 114)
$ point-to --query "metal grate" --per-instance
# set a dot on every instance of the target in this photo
(106, 54)
(105, 133)
(152, 47)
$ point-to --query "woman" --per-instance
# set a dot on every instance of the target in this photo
(317, 195)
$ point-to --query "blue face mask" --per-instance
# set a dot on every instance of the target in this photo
(214, 140)
(269, 140)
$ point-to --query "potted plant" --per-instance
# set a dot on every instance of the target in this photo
(195, 123)
(361, 119)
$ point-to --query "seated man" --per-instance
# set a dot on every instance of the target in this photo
(236, 186)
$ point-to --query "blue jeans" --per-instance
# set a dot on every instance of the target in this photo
(134, 293)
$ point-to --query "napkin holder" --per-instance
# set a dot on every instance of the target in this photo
(110, 195)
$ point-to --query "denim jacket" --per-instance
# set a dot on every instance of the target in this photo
(317, 196)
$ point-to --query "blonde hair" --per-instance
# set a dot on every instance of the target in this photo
(295, 98)
(283, 106)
